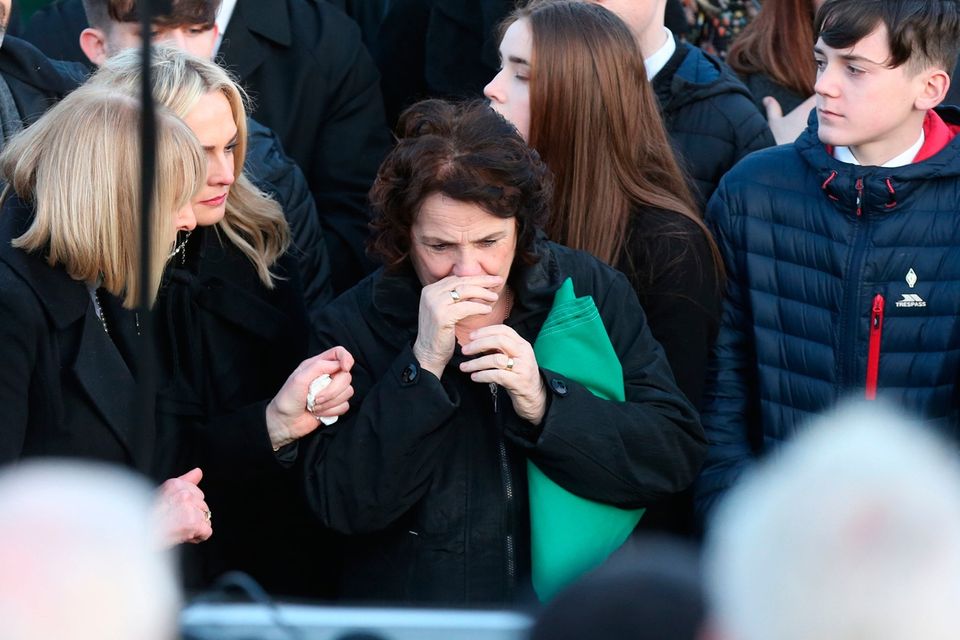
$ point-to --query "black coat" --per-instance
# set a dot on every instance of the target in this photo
(709, 115)
(312, 81)
(429, 476)
(226, 346)
(66, 388)
(42, 82)
(437, 48)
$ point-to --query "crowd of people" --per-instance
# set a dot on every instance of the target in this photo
(612, 266)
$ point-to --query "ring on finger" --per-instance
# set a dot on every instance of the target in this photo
(455, 295)
(510, 363)
(208, 515)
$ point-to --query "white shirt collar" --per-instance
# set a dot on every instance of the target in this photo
(223, 19)
(661, 56)
(843, 154)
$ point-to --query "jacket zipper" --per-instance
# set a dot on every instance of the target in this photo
(850, 311)
(873, 355)
(506, 477)
(859, 197)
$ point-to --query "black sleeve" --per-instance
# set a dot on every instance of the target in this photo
(274, 172)
(375, 463)
(56, 78)
(20, 326)
(629, 454)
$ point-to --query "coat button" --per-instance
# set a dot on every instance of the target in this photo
(559, 387)
(409, 373)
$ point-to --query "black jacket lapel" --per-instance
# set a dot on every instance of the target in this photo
(111, 387)
(243, 48)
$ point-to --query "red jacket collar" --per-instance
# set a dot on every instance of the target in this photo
(937, 135)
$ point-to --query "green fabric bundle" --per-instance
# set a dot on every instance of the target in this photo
(571, 535)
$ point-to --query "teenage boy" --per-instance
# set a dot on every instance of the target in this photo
(708, 112)
(842, 249)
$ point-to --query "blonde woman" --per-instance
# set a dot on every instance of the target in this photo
(69, 264)
(232, 326)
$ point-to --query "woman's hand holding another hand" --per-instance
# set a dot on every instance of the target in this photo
(442, 305)
(508, 361)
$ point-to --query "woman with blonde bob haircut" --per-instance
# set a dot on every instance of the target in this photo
(232, 325)
(62, 164)
(69, 235)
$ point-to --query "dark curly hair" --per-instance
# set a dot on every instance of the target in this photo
(467, 152)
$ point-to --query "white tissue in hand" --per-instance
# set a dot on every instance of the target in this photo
(318, 385)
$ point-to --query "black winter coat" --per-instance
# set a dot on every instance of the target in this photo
(709, 115)
(312, 81)
(429, 475)
(43, 82)
(226, 346)
(67, 388)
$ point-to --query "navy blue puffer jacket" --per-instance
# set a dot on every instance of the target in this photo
(841, 278)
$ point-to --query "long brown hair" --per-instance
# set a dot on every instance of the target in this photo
(779, 43)
(596, 123)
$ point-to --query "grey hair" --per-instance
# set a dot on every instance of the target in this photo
(82, 556)
(852, 532)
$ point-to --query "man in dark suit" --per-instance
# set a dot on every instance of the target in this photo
(311, 81)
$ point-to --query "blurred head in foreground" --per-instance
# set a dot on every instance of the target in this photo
(649, 589)
(853, 532)
(81, 556)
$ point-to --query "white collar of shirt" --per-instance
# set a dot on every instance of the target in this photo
(843, 154)
(661, 56)
(223, 19)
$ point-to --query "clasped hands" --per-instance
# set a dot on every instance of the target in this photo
(503, 357)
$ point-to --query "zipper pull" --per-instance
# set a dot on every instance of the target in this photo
(494, 389)
(877, 310)
(873, 349)
(859, 197)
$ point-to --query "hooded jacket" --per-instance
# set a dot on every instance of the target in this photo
(429, 476)
(842, 281)
(709, 115)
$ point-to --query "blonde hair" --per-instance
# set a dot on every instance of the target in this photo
(79, 165)
(253, 221)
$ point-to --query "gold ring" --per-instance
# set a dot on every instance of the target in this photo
(455, 295)
(510, 363)
(209, 515)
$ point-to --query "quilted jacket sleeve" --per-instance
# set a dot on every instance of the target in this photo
(729, 388)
